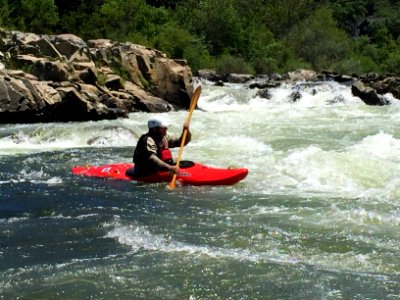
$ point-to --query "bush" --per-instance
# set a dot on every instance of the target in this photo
(356, 65)
(39, 16)
(198, 56)
(230, 64)
(4, 13)
(172, 40)
(317, 40)
(392, 63)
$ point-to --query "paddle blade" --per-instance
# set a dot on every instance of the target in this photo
(172, 184)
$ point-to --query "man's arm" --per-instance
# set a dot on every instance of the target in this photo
(176, 142)
(152, 148)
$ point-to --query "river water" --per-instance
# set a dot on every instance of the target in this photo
(317, 217)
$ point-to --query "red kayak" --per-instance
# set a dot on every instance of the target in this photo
(192, 174)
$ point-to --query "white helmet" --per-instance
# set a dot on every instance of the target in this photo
(158, 122)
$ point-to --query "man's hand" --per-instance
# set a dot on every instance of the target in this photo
(186, 125)
(173, 169)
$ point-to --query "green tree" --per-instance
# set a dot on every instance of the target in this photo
(262, 50)
(349, 14)
(281, 16)
(232, 64)
(392, 63)
(131, 20)
(218, 21)
(317, 40)
(198, 56)
(39, 16)
(4, 13)
(172, 39)
(80, 17)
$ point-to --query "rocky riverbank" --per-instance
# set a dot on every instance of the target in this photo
(61, 78)
(46, 78)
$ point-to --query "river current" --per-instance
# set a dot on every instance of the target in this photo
(318, 216)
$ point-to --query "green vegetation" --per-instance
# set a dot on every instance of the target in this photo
(251, 36)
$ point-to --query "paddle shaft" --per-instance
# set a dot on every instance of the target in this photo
(193, 104)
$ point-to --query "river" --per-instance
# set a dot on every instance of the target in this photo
(317, 217)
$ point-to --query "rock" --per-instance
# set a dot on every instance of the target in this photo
(77, 106)
(367, 94)
(58, 71)
(18, 74)
(17, 102)
(143, 102)
(302, 75)
(81, 56)
(114, 82)
(335, 100)
(264, 93)
(295, 96)
(153, 104)
(97, 76)
(68, 44)
(27, 100)
(208, 74)
(174, 82)
(387, 85)
(238, 78)
(341, 78)
(263, 83)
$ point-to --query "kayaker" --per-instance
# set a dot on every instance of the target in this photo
(152, 152)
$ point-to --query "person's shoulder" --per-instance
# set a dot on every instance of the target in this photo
(150, 139)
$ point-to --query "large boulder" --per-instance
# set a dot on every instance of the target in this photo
(25, 100)
(174, 81)
(86, 80)
(68, 44)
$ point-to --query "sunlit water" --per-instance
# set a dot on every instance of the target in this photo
(318, 216)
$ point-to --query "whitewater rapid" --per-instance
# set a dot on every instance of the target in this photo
(314, 145)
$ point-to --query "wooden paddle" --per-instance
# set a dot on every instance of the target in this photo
(193, 103)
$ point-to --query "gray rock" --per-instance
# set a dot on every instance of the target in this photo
(101, 78)
(368, 94)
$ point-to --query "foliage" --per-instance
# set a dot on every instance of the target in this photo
(198, 56)
(357, 64)
(4, 13)
(256, 36)
(392, 64)
(317, 40)
(38, 16)
(219, 23)
(119, 69)
(230, 64)
(282, 16)
(263, 51)
(173, 39)
(349, 13)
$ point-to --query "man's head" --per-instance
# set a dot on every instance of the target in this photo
(158, 124)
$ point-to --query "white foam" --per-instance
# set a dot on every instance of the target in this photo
(381, 145)
(46, 137)
(34, 176)
(139, 238)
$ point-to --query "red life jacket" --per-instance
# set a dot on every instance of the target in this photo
(166, 155)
